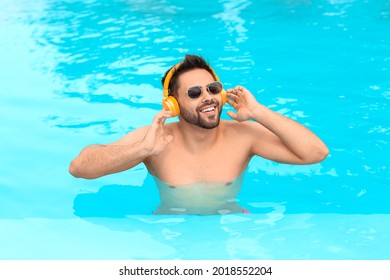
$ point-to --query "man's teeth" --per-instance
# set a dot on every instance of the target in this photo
(207, 110)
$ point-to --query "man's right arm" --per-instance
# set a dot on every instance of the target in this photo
(99, 160)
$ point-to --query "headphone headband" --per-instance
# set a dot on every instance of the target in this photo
(168, 79)
(170, 74)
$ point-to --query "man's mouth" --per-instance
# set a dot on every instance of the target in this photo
(208, 110)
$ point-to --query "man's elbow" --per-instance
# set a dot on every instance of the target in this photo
(319, 155)
(74, 169)
(77, 171)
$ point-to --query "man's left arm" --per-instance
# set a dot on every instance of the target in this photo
(277, 137)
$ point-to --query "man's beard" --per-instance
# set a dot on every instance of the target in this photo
(198, 120)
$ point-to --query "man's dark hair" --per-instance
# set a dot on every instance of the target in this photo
(190, 62)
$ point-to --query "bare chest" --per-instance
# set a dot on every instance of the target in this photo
(216, 165)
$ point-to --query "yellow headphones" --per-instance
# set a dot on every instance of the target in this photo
(170, 103)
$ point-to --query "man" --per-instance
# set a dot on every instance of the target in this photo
(198, 161)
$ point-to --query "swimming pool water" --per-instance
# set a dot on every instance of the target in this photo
(78, 72)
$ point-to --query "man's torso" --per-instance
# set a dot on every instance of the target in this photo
(224, 161)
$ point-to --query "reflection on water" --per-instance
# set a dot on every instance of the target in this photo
(295, 237)
(117, 201)
(204, 198)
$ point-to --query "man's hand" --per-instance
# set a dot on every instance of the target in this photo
(155, 139)
(243, 102)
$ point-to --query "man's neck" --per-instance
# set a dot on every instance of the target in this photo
(197, 139)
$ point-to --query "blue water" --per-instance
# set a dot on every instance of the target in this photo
(78, 72)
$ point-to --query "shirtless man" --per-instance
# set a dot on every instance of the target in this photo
(198, 161)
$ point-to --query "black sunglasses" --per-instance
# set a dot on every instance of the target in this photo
(196, 91)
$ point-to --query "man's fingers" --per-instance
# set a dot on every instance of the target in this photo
(232, 115)
(165, 114)
(239, 88)
(232, 96)
(231, 103)
(230, 90)
(162, 116)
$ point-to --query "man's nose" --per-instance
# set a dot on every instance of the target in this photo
(206, 95)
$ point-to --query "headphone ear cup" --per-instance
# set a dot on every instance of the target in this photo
(170, 103)
(223, 97)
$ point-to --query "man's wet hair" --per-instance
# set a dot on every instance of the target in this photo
(190, 62)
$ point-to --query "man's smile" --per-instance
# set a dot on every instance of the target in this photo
(208, 110)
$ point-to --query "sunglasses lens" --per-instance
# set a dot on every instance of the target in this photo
(194, 92)
(215, 87)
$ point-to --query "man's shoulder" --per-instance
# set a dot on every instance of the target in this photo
(243, 130)
(235, 125)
